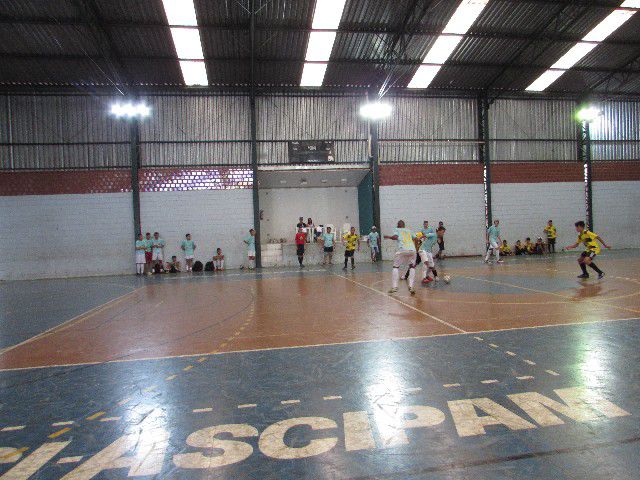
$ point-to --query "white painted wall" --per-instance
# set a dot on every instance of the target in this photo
(524, 209)
(460, 207)
(616, 213)
(214, 218)
(283, 206)
(44, 236)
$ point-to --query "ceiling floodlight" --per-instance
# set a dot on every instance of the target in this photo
(130, 110)
(455, 29)
(591, 40)
(326, 16)
(588, 114)
(375, 110)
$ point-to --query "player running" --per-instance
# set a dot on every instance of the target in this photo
(590, 241)
(405, 255)
(429, 238)
(493, 240)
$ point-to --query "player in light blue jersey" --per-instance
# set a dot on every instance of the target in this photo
(250, 240)
(405, 255)
(493, 242)
(429, 239)
(374, 243)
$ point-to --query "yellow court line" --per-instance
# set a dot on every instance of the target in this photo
(68, 323)
(95, 415)
(549, 293)
(380, 292)
(17, 451)
(59, 432)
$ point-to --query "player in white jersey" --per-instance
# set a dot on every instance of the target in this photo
(405, 255)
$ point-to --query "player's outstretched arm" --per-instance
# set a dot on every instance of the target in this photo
(391, 237)
(602, 242)
(570, 247)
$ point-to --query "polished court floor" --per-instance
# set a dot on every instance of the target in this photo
(512, 371)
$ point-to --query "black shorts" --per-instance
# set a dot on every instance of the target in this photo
(441, 244)
(591, 255)
(299, 250)
(552, 241)
(349, 253)
(328, 249)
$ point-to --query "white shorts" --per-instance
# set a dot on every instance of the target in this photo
(427, 257)
(493, 244)
(140, 256)
(251, 253)
(157, 255)
(375, 248)
(404, 258)
(188, 257)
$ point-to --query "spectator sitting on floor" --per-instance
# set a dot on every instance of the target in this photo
(173, 266)
(528, 246)
(218, 260)
(519, 248)
(505, 249)
(538, 248)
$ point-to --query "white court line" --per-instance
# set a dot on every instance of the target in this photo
(451, 385)
(489, 381)
(202, 410)
(12, 429)
(525, 377)
(403, 303)
(319, 345)
(413, 389)
(511, 354)
(551, 372)
(493, 345)
(530, 362)
(289, 402)
(110, 419)
(332, 397)
(61, 424)
(248, 405)
(70, 459)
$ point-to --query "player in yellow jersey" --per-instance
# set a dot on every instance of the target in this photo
(590, 241)
(350, 241)
(552, 233)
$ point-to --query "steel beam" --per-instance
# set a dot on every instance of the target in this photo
(254, 143)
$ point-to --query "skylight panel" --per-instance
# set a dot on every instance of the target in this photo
(181, 15)
(459, 24)
(600, 32)
(326, 16)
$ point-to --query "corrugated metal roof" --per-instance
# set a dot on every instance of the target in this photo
(54, 43)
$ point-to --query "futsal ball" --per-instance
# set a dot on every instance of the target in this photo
(446, 278)
(419, 235)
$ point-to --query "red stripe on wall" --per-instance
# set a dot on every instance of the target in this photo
(615, 171)
(115, 181)
(536, 172)
(64, 182)
(430, 174)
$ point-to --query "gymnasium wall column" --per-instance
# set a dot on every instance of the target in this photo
(254, 144)
(374, 163)
(584, 156)
(134, 154)
(483, 155)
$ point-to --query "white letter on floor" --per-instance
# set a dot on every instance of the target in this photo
(580, 404)
(233, 451)
(35, 461)
(468, 423)
(150, 447)
(357, 431)
(392, 427)
(272, 444)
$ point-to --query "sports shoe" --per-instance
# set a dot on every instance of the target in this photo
(500, 261)
(600, 276)
(426, 280)
(393, 290)
(412, 291)
(353, 267)
(584, 275)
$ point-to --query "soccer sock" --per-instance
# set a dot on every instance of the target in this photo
(353, 262)
(486, 259)
(584, 268)
(412, 276)
(496, 252)
(595, 267)
(345, 262)
(435, 272)
(425, 271)
(395, 277)
(300, 260)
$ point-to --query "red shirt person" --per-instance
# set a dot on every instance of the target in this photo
(301, 239)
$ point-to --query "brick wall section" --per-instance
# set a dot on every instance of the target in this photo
(430, 174)
(536, 172)
(64, 182)
(616, 171)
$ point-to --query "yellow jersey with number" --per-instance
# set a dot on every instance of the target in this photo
(588, 239)
(351, 240)
(551, 232)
